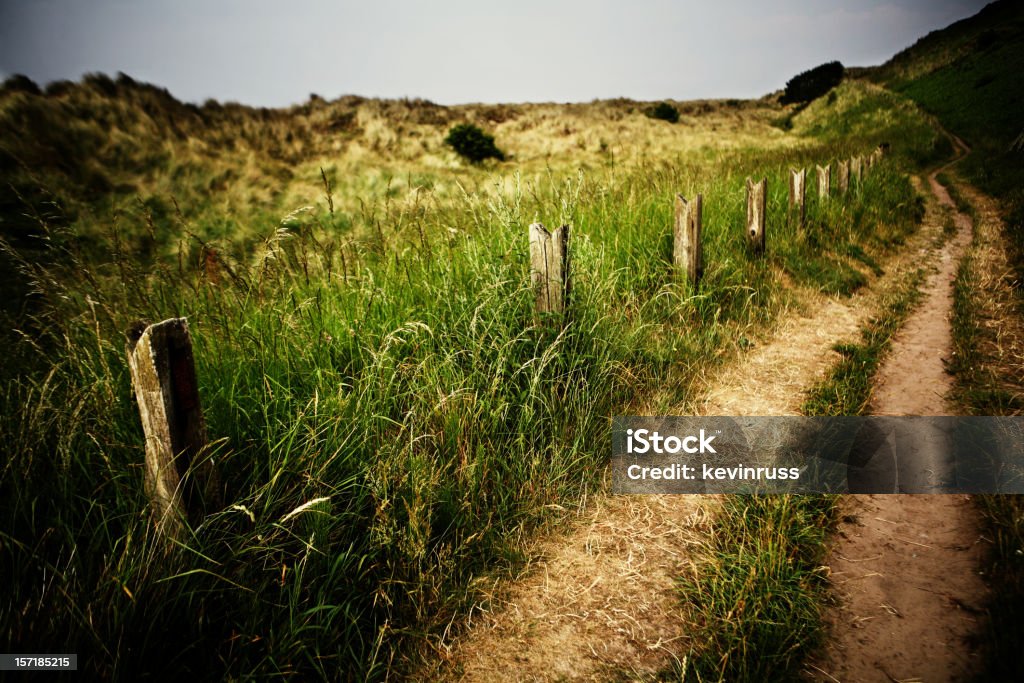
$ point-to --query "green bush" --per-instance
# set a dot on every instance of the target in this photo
(20, 83)
(472, 143)
(664, 111)
(813, 83)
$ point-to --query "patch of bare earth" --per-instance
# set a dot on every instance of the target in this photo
(905, 567)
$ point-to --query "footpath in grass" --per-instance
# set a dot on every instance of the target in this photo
(905, 569)
(604, 599)
(988, 335)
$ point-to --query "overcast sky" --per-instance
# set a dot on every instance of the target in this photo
(454, 51)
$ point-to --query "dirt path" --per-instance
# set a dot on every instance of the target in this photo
(600, 602)
(905, 566)
(913, 380)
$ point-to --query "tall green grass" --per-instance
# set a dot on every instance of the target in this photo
(758, 595)
(389, 421)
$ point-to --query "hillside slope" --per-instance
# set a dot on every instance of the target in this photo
(968, 76)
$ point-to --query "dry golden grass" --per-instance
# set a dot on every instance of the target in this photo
(997, 359)
(388, 143)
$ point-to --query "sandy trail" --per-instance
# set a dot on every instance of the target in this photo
(600, 601)
(913, 379)
(905, 567)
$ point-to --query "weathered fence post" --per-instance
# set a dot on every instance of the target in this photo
(757, 197)
(687, 250)
(549, 267)
(164, 378)
(843, 173)
(797, 187)
(856, 164)
(824, 182)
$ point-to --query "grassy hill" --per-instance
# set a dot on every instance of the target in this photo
(107, 142)
(968, 76)
(389, 420)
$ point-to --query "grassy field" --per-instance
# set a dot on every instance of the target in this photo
(389, 422)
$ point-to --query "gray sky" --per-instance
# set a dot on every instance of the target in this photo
(453, 51)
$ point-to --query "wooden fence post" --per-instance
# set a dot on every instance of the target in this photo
(824, 182)
(757, 196)
(687, 250)
(549, 268)
(797, 187)
(179, 479)
(843, 179)
(856, 164)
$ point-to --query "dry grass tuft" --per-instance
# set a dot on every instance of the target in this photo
(598, 601)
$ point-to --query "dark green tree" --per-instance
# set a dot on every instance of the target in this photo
(473, 144)
(813, 83)
(664, 111)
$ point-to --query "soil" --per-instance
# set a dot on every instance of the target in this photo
(913, 380)
(905, 567)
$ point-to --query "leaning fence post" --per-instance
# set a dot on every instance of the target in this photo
(757, 196)
(687, 250)
(549, 267)
(797, 185)
(179, 480)
(843, 179)
(824, 182)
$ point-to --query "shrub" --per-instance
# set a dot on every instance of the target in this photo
(472, 143)
(664, 111)
(813, 83)
(20, 83)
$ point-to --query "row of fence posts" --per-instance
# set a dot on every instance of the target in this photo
(180, 479)
(549, 251)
